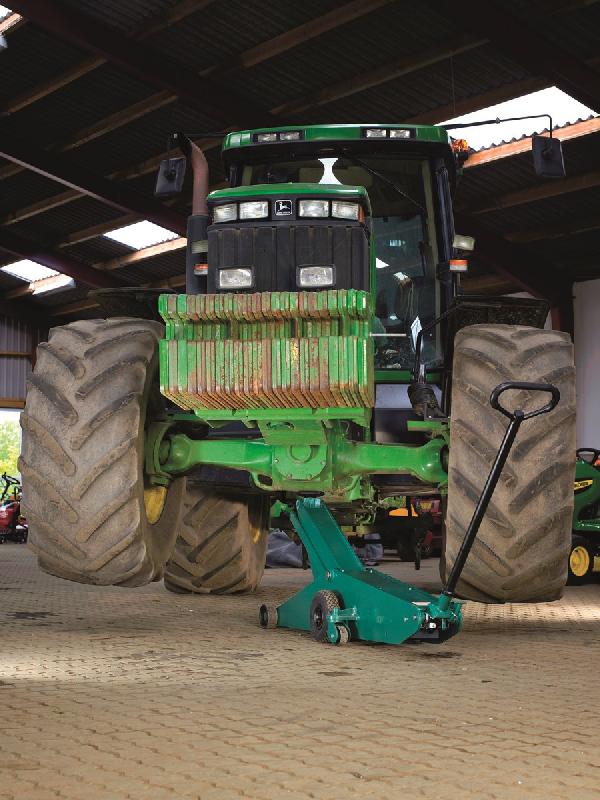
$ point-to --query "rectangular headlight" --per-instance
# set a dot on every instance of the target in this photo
(376, 133)
(311, 277)
(235, 278)
(400, 133)
(225, 213)
(343, 210)
(289, 136)
(257, 209)
(266, 137)
(313, 208)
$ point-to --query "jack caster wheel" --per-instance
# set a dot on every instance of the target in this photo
(343, 634)
(267, 616)
(322, 605)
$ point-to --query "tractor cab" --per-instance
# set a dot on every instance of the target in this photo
(341, 206)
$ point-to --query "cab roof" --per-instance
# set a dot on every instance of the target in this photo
(338, 132)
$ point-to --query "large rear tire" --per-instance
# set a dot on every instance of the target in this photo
(84, 493)
(522, 548)
(222, 543)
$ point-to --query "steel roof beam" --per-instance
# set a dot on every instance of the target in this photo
(301, 33)
(25, 248)
(518, 38)
(541, 191)
(555, 231)
(62, 169)
(154, 68)
(10, 23)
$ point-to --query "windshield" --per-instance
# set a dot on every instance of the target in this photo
(406, 291)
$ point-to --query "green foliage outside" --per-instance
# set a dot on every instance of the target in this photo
(10, 445)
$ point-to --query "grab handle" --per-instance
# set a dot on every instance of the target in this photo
(529, 387)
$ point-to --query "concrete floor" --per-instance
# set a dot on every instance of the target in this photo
(111, 693)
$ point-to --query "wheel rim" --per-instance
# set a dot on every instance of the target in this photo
(579, 561)
(155, 498)
(318, 618)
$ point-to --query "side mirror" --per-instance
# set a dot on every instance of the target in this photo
(171, 174)
(547, 157)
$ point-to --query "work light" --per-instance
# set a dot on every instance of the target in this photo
(289, 136)
(236, 278)
(257, 209)
(266, 137)
(376, 133)
(313, 208)
(225, 213)
(400, 133)
(343, 210)
(311, 277)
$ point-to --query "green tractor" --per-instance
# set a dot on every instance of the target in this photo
(324, 357)
(584, 558)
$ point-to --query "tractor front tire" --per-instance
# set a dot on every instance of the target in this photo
(522, 549)
(82, 462)
(221, 546)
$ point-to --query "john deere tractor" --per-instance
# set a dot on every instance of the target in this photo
(323, 356)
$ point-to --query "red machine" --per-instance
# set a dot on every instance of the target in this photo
(13, 527)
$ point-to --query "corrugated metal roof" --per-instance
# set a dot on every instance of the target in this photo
(21, 71)
(575, 32)
(434, 86)
(83, 102)
(218, 33)
(125, 16)
(222, 30)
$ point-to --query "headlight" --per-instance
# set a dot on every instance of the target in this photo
(225, 213)
(257, 209)
(266, 137)
(345, 210)
(375, 133)
(309, 277)
(289, 136)
(400, 133)
(238, 278)
(313, 208)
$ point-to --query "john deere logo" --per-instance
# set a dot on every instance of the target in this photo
(580, 486)
(283, 208)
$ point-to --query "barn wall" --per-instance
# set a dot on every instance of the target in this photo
(587, 360)
(17, 343)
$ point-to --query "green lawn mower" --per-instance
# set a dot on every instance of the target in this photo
(584, 558)
(324, 357)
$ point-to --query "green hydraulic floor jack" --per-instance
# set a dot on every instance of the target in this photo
(346, 600)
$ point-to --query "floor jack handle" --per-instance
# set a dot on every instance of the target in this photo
(516, 418)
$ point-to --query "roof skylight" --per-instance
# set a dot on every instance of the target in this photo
(141, 234)
(562, 108)
(54, 284)
(28, 270)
